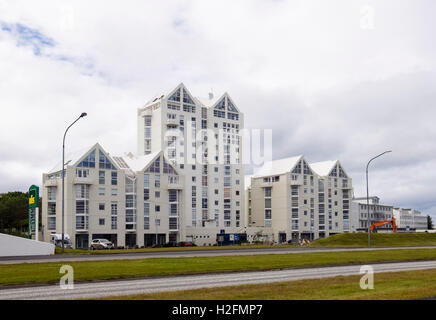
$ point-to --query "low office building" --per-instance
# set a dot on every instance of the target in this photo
(127, 200)
(410, 219)
(378, 212)
(296, 200)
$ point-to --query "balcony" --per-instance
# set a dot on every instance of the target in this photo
(51, 183)
(174, 183)
(82, 180)
(266, 184)
(172, 123)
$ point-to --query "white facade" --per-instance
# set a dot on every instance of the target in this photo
(201, 137)
(410, 219)
(298, 200)
(378, 212)
(131, 201)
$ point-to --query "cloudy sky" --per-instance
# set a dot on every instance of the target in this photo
(334, 80)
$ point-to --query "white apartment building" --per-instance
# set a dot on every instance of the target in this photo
(94, 198)
(296, 200)
(410, 219)
(201, 137)
(127, 200)
(378, 212)
(198, 193)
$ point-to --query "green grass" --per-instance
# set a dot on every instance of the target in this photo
(377, 240)
(387, 286)
(117, 269)
(145, 250)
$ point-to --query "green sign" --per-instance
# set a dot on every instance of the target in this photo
(33, 197)
(33, 209)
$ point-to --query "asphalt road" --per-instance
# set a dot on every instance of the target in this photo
(127, 287)
(187, 253)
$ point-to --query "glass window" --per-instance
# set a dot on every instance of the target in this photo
(89, 161)
(114, 177)
(101, 177)
(104, 162)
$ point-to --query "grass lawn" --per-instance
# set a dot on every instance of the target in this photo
(116, 269)
(387, 286)
(115, 251)
(377, 240)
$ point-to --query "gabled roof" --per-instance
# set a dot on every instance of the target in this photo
(277, 167)
(323, 168)
(208, 102)
(75, 157)
(139, 163)
(169, 93)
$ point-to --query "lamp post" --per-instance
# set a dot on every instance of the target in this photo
(367, 196)
(84, 114)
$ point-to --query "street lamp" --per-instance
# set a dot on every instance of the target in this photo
(84, 114)
(367, 196)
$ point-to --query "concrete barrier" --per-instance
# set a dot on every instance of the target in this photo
(11, 246)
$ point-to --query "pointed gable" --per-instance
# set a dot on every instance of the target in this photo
(187, 97)
(89, 161)
(221, 105)
(175, 96)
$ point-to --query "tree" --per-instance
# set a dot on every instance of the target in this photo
(429, 223)
(13, 210)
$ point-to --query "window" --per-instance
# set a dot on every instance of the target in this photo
(88, 162)
(114, 208)
(157, 222)
(101, 191)
(82, 207)
(173, 225)
(157, 194)
(157, 181)
(172, 195)
(114, 192)
(101, 222)
(101, 177)
(104, 162)
(114, 177)
(82, 173)
(101, 206)
(157, 208)
(51, 221)
(51, 208)
(114, 222)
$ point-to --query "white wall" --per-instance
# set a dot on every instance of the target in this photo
(11, 246)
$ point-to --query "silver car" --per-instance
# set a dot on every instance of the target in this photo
(101, 244)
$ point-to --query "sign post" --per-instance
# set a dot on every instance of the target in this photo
(33, 211)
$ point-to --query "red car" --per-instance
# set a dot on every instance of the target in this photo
(185, 244)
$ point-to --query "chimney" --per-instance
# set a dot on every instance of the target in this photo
(210, 95)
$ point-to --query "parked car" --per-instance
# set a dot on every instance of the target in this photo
(101, 244)
(185, 244)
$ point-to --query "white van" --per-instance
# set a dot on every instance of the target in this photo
(56, 239)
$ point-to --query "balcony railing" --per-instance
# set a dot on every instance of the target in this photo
(81, 180)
